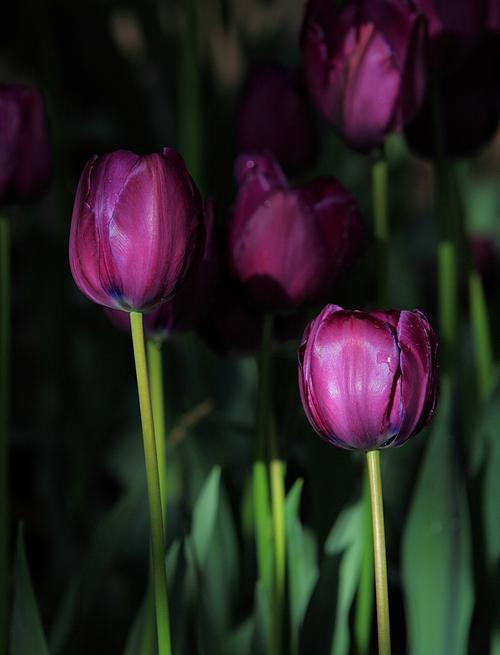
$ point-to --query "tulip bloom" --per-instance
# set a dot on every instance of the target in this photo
(137, 229)
(24, 144)
(365, 66)
(275, 115)
(368, 380)
(190, 303)
(287, 245)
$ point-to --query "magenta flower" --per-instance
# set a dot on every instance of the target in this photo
(136, 230)
(287, 245)
(191, 301)
(275, 115)
(365, 66)
(24, 144)
(368, 380)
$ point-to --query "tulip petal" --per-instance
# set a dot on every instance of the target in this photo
(354, 372)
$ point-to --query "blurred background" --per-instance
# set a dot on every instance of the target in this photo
(140, 76)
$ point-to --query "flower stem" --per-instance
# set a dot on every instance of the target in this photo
(482, 335)
(155, 368)
(153, 484)
(277, 475)
(381, 592)
(381, 226)
(364, 602)
(4, 406)
(260, 480)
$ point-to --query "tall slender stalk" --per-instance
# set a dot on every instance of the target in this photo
(277, 475)
(155, 368)
(380, 559)
(153, 484)
(380, 225)
(190, 92)
(364, 600)
(4, 412)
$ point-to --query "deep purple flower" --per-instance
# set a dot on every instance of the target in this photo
(136, 230)
(368, 380)
(464, 61)
(191, 301)
(24, 144)
(365, 66)
(287, 245)
(275, 115)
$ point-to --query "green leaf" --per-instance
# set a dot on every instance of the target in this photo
(142, 635)
(26, 634)
(262, 620)
(302, 560)
(436, 548)
(346, 539)
(239, 642)
(204, 516)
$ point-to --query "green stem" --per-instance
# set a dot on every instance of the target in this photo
(260, 479)
(482, 335)
(190, 95)
(277, 474)
(153, 484)
(381, 226)
(4, 406)
(155, 367)
(380, 559)
(364, 602)
(449, 241)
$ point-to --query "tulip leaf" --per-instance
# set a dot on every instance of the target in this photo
(302, 562)
(204, 516)
(262, 620)
(436, 548)
(346, 539)
(239, 642)
(26, 634)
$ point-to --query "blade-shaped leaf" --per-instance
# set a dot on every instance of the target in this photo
(302, 563)
(205, 515)
(26, 633)
(437, 550)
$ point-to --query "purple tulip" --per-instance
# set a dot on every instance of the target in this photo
(191, 301)
(24, 144)
(275, 115)
(464, 61)
(368, 380)
(365, 66)
(136, 230)
(287, 245)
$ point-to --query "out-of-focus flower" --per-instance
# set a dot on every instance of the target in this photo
(463, 64)
(368, 380)
(287, 245)
(24, 144)
(275, 115)
(137, 229)
(191, 301)
(365, 66)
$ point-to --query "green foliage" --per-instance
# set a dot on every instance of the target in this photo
(26, 631)
(437, 566)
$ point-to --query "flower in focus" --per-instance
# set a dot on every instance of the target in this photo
(365, 66)
(368, 380)
(191, 301)
(24, 144)
(137, 229)
(464, 42)
(275, 115)
(287, 245)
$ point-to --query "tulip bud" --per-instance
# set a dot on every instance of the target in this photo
(275, 115)
(368, 380)
(24, 144)
(191, 301)
(136, 230)
(365, 66)
(287, 245)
